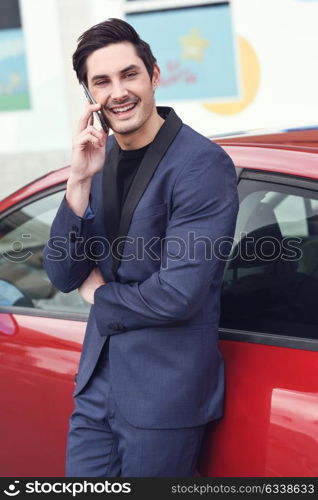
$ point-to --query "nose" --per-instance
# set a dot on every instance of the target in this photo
(118, 91)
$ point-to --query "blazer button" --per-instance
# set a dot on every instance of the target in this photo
(117, 327)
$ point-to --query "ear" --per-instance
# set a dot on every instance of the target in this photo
(155, 77)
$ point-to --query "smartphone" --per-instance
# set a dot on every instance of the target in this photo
(98, 113)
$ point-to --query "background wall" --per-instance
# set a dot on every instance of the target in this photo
(272, 51)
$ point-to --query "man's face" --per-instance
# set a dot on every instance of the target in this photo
(118, 79)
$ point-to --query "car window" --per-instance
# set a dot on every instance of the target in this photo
(271, 278)
(23, 279)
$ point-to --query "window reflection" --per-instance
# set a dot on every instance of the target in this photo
(23, 280)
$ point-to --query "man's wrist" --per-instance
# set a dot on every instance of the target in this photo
(76, 179)
(77, 195)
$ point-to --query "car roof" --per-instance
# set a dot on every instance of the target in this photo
(292, 152)
(300, 138)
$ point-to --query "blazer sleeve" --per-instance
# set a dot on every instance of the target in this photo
(65, 257)
(202, 223)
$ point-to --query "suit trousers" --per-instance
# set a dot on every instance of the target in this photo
(101, 443)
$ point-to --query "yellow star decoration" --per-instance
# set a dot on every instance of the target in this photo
(193, 45)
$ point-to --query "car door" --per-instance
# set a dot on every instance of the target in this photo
(269, 334)
(41, 332)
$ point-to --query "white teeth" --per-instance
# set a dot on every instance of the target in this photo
(123, 109)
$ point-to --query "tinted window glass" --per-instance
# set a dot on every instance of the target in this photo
(271, 279)
(23, 280)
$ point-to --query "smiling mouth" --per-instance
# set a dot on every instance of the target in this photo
(123, 110)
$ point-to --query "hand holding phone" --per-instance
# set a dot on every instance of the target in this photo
(98, 113)
(88, 157)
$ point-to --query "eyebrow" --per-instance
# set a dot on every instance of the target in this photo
(122, 71)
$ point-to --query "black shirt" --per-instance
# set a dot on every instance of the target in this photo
(128, 164)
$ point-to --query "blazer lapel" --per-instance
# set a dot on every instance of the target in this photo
(147, 168)
(110, 201)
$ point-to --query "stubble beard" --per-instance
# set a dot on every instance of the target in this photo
(130, 128)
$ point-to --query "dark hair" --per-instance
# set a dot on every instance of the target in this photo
(111, 31)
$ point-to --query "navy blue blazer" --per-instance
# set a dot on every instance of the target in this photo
(160, 305)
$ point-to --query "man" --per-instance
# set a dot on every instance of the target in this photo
(144, 225)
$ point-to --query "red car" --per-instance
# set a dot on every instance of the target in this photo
(268, 330)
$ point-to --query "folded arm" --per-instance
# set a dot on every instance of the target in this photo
(65, 255)
(204, 213)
